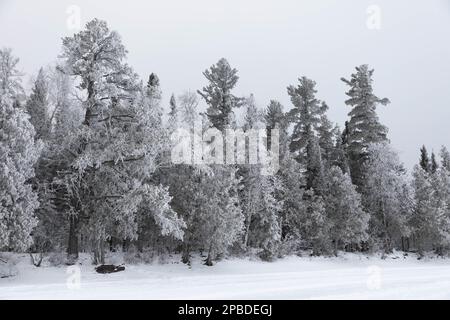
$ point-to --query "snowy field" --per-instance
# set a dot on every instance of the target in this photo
(346, 277)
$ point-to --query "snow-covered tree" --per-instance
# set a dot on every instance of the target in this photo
(433, 164)
(313, 224)
(57, 124)
(217, 216)
(38, 105)
(154, 95)
(292, 196)
(217, 94)
(276, 119)
(345, 215)
(174, 114)
(339, 156)
(326, 135)
(364, 126)
(445, 158)
(424, 159)
(430, 221)
(18, 155)
(315, 170)
(386, 196)
(259, 198)
(115, 151)
(262, 210)
(306, 115)
(10, 76)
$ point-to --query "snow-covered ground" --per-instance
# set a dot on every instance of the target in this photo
(346, 277)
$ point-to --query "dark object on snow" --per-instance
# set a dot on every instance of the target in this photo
(109, 269)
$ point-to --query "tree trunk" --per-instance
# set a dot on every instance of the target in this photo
(247, 230)
(72, 248)
(99, 252)
(209, 259)
(336, 247)
(186, 259)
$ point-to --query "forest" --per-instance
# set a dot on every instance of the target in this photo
(85, 167)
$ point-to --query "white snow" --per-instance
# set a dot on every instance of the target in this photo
(347, 277)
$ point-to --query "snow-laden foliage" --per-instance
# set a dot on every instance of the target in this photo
(347, 219)
(306, 114)
(85, 165)
(18, 154)
(217, 94)
(363, 127)
(116, 149)
(38, 106)
(10, 76)
(258, 193)
(430, 221)
(386, 195)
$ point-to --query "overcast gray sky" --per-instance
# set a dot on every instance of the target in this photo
(271, 43)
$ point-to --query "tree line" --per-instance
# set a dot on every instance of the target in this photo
(85, 167)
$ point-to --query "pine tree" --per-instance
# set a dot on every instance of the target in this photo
(311, 129)
(10, 77)
(217, 94)
(364, 127)
(173, 114)
(325, 133)
(314, 167)
(276, 119)
(424, 159)
(433, 165)
(339, 153)
(38, 106)
(189, 109)
(154, 96)
(445, 158)
(153, 87)
(307, 117)
(306, 114)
